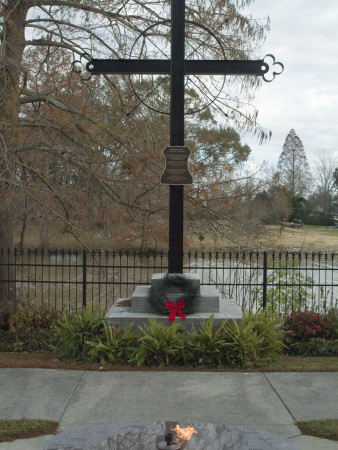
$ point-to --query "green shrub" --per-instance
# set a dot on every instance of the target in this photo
(242, 343)
(333, 315)
(114, 346)
(288, 291)
(314, 347)
(6, 339)
(5, 314)
(75, 330)
(267, 327)
(32, 326)
(303, 325)
(257, 339)
(206, 347)
(7, 342)
(159, 345)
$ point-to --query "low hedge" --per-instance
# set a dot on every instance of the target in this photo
(257, 339)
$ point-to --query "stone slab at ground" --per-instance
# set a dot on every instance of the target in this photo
(147, 436)
(302, 442)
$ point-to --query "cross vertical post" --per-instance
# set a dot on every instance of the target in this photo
(177, 67)
(176, 193)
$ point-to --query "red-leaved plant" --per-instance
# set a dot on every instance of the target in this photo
(301, 326)
(5, 321)
(27, 326)
(33, 316)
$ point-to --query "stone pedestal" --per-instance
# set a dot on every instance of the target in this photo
(140, 310)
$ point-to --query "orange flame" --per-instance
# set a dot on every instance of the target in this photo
(184, 433)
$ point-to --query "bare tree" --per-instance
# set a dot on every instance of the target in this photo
(323, 199)
(73, 150)
(324, 169)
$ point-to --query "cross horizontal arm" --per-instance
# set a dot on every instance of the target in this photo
(150, 66)
(162, 67)
(226, 67)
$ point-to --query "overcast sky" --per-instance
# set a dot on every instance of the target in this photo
(304, 37)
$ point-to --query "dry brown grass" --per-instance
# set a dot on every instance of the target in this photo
(308, 237)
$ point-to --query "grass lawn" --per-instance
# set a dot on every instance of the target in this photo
(314, 229)
(302, 364)
(25, 428)
(48, 360)
(327, 429)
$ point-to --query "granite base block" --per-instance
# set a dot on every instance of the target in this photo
(123, 316)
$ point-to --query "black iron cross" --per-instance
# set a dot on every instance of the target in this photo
(177, 67)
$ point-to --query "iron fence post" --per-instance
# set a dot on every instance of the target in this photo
(265, 277)
(84, 278)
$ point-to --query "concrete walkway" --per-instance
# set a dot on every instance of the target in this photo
(266, 401)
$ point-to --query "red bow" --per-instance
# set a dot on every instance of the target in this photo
(175, 309)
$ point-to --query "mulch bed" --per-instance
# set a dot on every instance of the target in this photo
(48, 360)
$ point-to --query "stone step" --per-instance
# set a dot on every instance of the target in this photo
(207, 301)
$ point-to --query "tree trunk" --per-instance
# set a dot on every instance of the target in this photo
(12, 47)
(145, 232)
(21, 244)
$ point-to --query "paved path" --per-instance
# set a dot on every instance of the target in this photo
(267, 401)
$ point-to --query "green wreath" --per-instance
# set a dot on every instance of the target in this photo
(158, 292)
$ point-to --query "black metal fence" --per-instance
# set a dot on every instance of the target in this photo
(71, 279)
